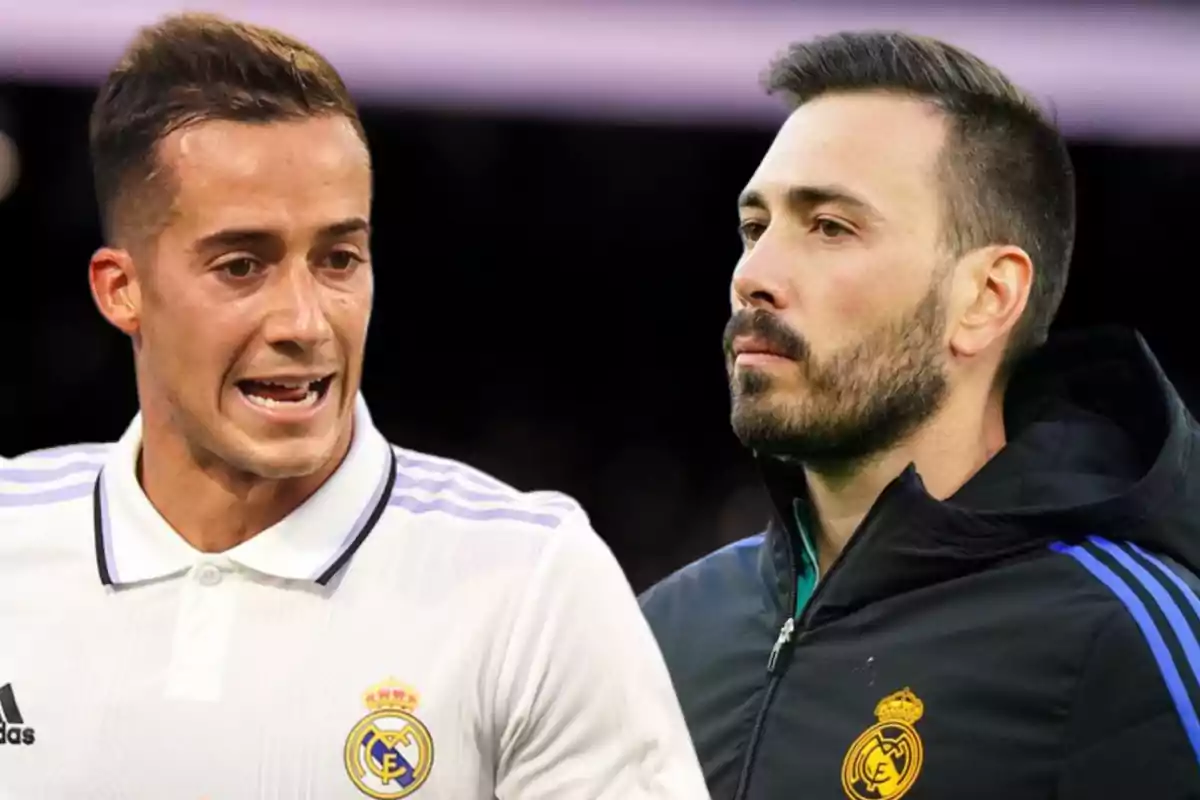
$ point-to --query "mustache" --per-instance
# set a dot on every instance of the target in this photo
(762, 324)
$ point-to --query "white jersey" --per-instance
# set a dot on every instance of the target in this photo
(415, 629)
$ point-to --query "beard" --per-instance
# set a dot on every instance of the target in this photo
(860, 401)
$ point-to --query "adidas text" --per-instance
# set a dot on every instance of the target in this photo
(15, 734)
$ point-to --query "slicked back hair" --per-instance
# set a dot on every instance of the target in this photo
(186, 69)
(1005, 173)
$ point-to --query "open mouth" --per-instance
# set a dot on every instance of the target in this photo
(285, 393)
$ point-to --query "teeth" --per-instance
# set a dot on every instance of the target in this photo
(289, 385)
(310, 398)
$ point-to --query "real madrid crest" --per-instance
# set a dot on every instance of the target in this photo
(884, 762)
(389, 753)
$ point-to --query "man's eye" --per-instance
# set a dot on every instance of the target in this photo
(830, 228)
(240, 267)
(750, 230)
(341, 260)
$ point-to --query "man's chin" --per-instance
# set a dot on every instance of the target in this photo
(757, 428)
(775, 434)
(279, 469)
(291, 458)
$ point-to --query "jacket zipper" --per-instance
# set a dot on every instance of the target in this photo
(787, 632)
(774, 673)
(785, 636)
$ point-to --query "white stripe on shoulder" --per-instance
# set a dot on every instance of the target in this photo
(48, 470)
(46, 497)
(450, 506)
(422, 483)
(468, 497)
(426, 484)
(422, 464)
(58, 456)
(555, 500)
(95, 448)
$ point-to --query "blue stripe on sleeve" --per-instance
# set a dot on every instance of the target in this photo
(1154, 638)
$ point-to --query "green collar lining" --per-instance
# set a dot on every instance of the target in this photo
(807, 570)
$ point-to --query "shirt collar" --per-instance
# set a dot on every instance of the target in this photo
(134, 543)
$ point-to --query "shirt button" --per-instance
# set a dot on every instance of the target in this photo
(208, 575)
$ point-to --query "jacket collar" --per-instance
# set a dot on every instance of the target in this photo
(1099, 443)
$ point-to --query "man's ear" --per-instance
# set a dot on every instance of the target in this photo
(116, 289)
(992, 293)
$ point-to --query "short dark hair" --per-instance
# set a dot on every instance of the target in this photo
(192, 68)
(1006, 174)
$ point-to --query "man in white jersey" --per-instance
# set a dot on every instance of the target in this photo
(252, 594)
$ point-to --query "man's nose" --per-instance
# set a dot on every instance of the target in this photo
(298, 314)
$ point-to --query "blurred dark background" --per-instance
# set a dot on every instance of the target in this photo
(551, 295)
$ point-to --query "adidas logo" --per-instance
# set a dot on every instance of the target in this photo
(13, 729)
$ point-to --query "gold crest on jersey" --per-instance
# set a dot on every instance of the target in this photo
(884, 762)
(389, 753)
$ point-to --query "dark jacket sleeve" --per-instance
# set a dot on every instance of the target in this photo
(1127, 733)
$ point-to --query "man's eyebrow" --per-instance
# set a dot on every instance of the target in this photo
(232, 238)
(345, 228)
(804, 199)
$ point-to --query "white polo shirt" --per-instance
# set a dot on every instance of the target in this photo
(415, 629)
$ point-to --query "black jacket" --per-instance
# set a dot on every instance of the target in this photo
(1035, 636)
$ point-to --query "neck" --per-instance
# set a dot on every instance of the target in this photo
(211, 505)
(951, 447)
